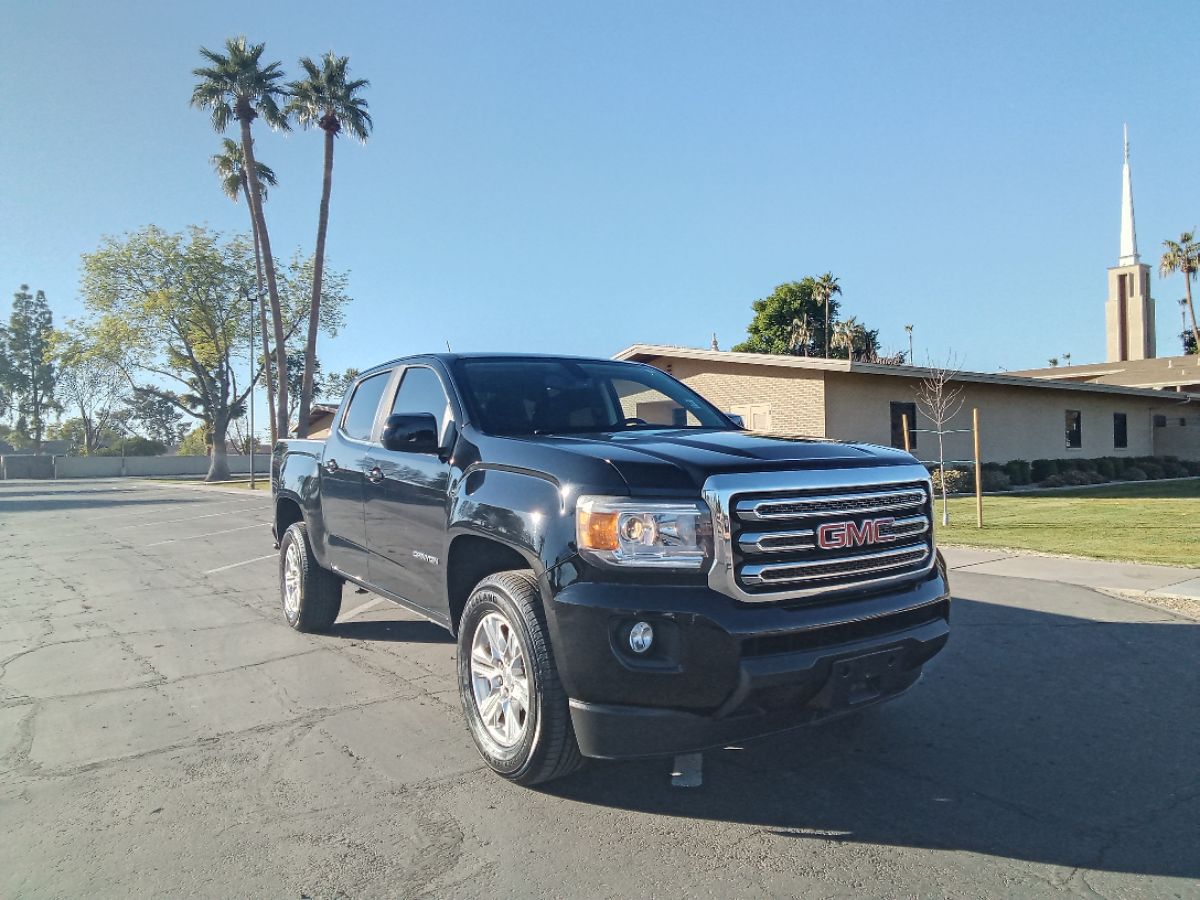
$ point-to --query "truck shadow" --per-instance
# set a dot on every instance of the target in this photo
(413, 632)
(1034, 736)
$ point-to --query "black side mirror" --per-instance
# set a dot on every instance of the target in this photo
(411, 433)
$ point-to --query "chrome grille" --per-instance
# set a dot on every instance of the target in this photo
(875, 530)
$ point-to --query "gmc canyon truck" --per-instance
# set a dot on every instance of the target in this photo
(627, 571)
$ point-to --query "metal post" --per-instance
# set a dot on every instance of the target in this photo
(253, 381)
(978, 470)
(907, 436)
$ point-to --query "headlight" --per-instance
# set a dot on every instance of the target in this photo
(624, 532)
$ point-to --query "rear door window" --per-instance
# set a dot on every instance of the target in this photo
(359, 421)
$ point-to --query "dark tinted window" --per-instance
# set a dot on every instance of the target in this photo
(1074, 429)
(565, 396)
(421, 392)
(1120, 430)
(360, 417)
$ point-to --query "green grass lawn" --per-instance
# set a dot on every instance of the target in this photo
(1146, 521)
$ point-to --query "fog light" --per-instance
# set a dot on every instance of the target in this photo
(641, 636)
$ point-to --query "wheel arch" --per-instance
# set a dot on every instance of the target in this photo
(473, 557)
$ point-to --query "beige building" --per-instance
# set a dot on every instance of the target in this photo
(1020, 417)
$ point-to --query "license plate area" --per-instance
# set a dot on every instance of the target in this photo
(861, 679)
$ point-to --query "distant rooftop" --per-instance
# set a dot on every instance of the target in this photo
(647, 352)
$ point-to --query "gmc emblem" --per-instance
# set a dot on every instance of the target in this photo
(844, 535)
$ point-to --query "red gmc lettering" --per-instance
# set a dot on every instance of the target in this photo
(843, 535)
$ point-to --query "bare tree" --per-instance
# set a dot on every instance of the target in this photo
(940, 400)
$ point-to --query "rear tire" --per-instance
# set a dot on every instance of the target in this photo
(512, 698)
(311, 596)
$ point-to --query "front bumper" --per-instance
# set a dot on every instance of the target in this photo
(721, 672)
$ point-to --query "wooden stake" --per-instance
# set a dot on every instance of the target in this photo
(907, 438)
(978, 470)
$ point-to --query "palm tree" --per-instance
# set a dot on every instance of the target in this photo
(1183, 256)
(800, 335)
(329, 100)
(238, 86)
(823, 290)
(230, 167)
(843, 337)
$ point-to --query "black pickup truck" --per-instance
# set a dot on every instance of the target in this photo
(627, 570)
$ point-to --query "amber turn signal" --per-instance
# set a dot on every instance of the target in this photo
(597, 530)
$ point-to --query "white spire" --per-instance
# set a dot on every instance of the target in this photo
(1129, 254)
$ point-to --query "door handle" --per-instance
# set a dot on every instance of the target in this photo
(331, 466)
(375, 475)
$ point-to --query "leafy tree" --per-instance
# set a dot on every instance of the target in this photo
(29, 368)
(170, 305)
(230, 166)
(328, 99)
(236, 85)
(1183, 256)
(295, 375)
(90, 384)
(823, 290)
(337, 385)
(792, 322)
(155, 417)
(133, 446)
(789, 321)
(195, 443)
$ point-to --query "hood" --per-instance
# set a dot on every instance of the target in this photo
(682, 459)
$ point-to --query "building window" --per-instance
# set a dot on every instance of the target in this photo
(1160, 421)
(899, 410)
(1120, 431)
(1074, 429)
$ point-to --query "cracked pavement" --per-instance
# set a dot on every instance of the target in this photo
(163, 732)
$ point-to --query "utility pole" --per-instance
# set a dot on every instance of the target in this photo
(909, 328)
(253, 382)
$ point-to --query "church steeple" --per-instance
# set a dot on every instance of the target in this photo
(1129, 254)
(1129, 313)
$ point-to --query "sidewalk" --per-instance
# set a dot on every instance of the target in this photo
(1128, 579)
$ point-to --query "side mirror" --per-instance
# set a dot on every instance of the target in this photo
(411, 433)
(736, 419)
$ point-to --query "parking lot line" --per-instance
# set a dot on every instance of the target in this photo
(244, 562)
(370, 604)
(208, 534)
(231, 512)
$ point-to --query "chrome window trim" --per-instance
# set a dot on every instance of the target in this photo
(719, 491)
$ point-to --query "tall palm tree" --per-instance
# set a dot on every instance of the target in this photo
(236, 85)
(800, 335)
(230, 167)
(1183, 256)
(327, 99)
(823, 290)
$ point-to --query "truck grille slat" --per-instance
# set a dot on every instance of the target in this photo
(797, 535)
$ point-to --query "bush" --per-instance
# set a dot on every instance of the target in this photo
(1084, 465)
(1133, 473)
(995, 480)
(1174, 469)
(1043, 469)
(958, 481)
(1018, 471)
(1152, 469)
(1052, 481)
(1107, 466)
(134, 446)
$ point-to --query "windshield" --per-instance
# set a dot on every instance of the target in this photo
(563, 396)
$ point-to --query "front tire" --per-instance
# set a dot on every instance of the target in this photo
(311, 596)
(511, 695)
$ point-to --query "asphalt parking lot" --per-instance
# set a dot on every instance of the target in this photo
(162, 732)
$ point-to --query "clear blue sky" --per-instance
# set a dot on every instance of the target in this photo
(578, 177)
